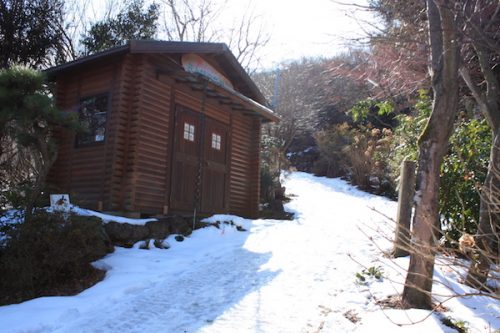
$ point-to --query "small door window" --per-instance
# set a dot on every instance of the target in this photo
(188, 132)
(216, 141)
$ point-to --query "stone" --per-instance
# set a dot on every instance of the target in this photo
(158, 229)
(125, 234)
(180, 225)
(161, 244)
(145, 245)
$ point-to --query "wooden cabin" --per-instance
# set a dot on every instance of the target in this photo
(172, 127)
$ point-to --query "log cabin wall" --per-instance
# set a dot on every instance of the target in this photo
(244, 183)
(124, 163)
(131, 170)
(84, 171)
(152, 153)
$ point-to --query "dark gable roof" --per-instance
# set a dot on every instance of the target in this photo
(219, 51)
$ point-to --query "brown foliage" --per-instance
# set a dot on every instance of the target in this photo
(359, 153)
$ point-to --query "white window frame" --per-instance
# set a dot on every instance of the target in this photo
(189, 132)
(216, 141)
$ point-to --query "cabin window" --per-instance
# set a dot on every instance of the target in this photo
(188, 132)
(216, 141)
(93, 113)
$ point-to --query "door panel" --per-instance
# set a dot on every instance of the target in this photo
(200, 150)
(186, 159)
(214, 167)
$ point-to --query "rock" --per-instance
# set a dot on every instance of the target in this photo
(161, 244)
(145, 245)
(240, 228)
(158, 229)
(180, 225)
(374, 182)
(125, 234)
(179, 238)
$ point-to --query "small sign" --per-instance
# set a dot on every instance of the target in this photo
(60, 202)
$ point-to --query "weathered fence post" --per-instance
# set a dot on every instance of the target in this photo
(405, 205)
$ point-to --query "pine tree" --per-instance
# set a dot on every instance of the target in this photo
(27, 147)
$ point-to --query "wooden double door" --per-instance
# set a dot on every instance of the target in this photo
(200, 163)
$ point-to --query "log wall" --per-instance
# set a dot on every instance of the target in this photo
(84, 171)
(131, 170)
(244, 165)
(153, 133)
(124, 163)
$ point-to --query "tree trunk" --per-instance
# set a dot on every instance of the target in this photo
(43, 159)
(489, 222)
(432, 147)
(405, 207)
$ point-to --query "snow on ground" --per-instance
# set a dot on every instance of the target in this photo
(105, 217)
(279, 276)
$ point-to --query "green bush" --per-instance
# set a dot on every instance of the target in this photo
(270, 168)
(463, 170)
(370, 273)
(50, 255)
(460, 326)
(268, 184)
(462, 174)
(406, 134)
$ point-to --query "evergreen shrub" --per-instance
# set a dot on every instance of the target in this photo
(50, 255)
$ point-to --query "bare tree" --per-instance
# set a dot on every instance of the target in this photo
(198, 21)
(190, 20)
(396, 60)
(247, 37)
(78, 17)
(445, 60)
(297, 91)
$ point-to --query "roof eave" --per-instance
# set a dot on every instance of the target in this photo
(53, 71)
(243, 74)
(153, 46)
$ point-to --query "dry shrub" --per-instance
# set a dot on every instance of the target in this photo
(358, 152)
(51, 255)
(330, 142)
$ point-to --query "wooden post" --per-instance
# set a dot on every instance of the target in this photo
(405, 205)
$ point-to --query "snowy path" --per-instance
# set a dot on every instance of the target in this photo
(281, 276)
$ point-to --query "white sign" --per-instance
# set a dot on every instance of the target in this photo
(60, 202)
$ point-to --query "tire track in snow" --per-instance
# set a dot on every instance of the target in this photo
(191, 299)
